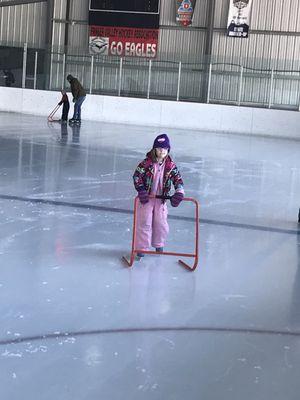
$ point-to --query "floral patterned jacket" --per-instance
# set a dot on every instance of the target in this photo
(143, 175)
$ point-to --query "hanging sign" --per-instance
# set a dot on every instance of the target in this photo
(127, 28)
(238, 18)
(121, 41)
(185, 11)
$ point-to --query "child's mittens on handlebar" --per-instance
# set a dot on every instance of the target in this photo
(143, 196)
(176, 199)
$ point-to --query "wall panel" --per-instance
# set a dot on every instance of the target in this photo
(181, 45)
(23, 23)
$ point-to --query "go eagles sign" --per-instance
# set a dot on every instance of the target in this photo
(120, 28)
(120, 41)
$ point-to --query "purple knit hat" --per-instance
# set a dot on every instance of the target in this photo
(162, 141)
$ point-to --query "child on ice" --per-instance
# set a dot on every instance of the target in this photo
(66, 106)
(154, 176)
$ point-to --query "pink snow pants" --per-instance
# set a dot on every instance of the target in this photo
(151, 224)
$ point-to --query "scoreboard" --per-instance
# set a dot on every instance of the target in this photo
(140, 6)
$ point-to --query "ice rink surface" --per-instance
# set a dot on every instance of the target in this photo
(76, 323)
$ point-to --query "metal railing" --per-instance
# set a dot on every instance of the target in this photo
(204, 81)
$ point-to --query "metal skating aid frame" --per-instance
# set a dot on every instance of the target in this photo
(51, 115)
(134, 251)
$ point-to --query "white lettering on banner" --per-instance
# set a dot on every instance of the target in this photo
(127, 47)
(116, 48)
(133, 49)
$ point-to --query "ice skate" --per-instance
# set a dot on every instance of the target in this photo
(139, 256)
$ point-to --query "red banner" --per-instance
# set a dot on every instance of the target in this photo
(122, 41)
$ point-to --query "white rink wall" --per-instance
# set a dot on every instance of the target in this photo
(159, 113)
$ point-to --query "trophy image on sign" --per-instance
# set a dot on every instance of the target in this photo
(240, 4)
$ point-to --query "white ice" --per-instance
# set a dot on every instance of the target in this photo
(76, 323)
